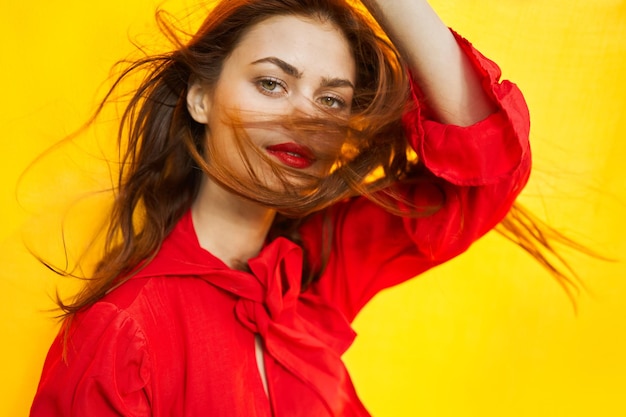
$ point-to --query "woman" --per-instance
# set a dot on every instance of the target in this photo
(267, 193)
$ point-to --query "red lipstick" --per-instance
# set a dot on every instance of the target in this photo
(292, 155)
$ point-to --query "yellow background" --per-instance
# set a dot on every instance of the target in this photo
(490, 333)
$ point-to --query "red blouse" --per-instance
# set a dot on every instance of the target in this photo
(178, 339)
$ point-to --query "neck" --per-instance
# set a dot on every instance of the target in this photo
(231, 227)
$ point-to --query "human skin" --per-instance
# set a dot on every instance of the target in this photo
(275, 70)
(442, 71)
(254, 81)
(234, 228)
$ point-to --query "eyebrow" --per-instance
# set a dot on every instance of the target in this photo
(287, 68)
(336, 82)
(294, 72)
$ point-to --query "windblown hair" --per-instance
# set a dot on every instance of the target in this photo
(164, 152)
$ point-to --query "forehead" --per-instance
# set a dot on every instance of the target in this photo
(312, 45)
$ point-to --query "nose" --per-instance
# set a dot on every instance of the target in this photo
(302, 104)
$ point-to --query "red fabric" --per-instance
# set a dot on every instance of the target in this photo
(178, 339)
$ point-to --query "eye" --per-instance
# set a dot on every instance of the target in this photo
(332, 102)
(270, 86)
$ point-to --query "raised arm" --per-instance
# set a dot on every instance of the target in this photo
(470, 131)
(440, 68)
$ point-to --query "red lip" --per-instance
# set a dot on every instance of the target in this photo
(292, 155)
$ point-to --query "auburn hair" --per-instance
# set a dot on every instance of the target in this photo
(164, 152)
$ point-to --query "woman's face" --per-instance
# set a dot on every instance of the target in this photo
(283, 66)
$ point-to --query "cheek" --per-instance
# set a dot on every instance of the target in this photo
(237, 92)
(223, 114)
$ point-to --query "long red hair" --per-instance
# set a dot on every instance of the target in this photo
(163, 151)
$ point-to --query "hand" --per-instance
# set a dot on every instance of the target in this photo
(441, 69)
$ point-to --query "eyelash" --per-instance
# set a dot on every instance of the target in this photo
(340, 102)
(279, 83)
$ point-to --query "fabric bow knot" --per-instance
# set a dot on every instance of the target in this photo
(311, 353)
(300, 331)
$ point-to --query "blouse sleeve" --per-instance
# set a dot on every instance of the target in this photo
(105, 371)
(470, 177)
